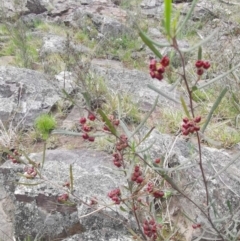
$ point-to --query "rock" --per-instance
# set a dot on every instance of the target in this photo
(151, 3)
(31, 19)
(6, 221)
(60, 45)
(152, 8)
(37, 211)
(222, 189)
(25, 94)
(11, 9)
(135, 83)
(37, 6)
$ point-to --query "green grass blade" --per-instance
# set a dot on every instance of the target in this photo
(146, 136)
(87, 98)
(44, 154)
(145, 39)
(214, 107)
(185, 107)
(199, 53)
(145, 118)
(189, 14)
(71, 178)
(64, 132)
(166, 95)
(119, 107)
(29, 184)
(107, 122)
(229, 206)
(125, 129)
(168, 12)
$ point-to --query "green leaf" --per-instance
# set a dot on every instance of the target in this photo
(44, 153)
(229, 206)
(145, 118)
(146, 149)
(107, 122)
(214, 107)
(87, 98)
(168, 12)
(123, 209)
(145, 39)
(125, 129)
(71, 178)
(146, 136)
(166, 95)
(185, 107)
(194, 2)
(29, 184)
(148, 40)
(119, 107)
(199, 53)
(194, 88)
(64, 132)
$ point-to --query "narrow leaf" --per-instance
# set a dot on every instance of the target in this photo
(200, 42)
(218, 77)
(123, 209)
(68, 96)
(149, 40)
(71, 178)
(189, 14)
(199, 53)
(147, 148)
(166, 95)
(168, 12)
(229, 206)
(149, 44)
(87, 98)
(126, 131)
(227, 166)
(214, 107)
(44, 154)
(146, 136)
(107, 122)
(65, 132)
(185, 107)
(29, 184)
(119, 107)
(145, 118)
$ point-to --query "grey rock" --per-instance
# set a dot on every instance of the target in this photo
(37, 6)
(108, 20)
(109, 26)
(151, 3)
(135, 83)
(37, 211)
(12, 8)
(152, 8)
(60, 45)
(25, 94)
(30, 19)
(223, 188)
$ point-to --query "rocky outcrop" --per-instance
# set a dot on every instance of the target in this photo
(37, 210)
(134, 82)
(24, 94)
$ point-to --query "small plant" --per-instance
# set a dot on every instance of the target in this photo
(44, 124)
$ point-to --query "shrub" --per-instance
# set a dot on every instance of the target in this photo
(44, 124)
